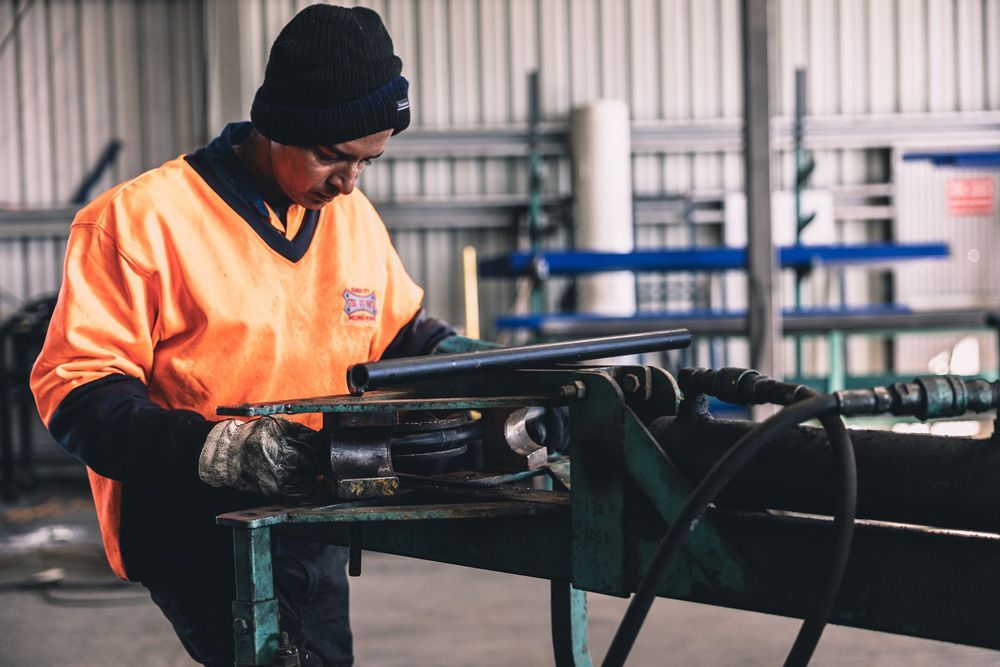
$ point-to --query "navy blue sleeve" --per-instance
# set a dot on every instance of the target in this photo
(418, 337)
(111, 425)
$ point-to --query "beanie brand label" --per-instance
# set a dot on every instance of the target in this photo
(403, 104)
(359, 304)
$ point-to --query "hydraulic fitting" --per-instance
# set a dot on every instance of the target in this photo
(925, 397)
(740, 386)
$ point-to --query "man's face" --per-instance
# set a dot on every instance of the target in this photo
(311, 176)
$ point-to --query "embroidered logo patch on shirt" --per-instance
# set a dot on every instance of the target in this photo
(359, 304)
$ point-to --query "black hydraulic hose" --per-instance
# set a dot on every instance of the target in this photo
(843, 529)
(823, 407)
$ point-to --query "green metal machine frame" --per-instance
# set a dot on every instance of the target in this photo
(597, 532)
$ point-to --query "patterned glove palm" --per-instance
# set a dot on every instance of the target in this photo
(272, 456)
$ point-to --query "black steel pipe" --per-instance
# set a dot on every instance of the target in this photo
(942, 481)
(361, 377)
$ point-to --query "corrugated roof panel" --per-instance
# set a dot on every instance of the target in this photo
(66, 92)
(940, 47)
(730, 59)
(553, 65)
(881, 57)
(913, 56)
(853, 57)
(32, 44)
(11, 115)
(792, 50)
(644, 66)
(494, 63)
(584, 67)
(613, 36)
(991, 30)
(522, 54)
(675, 55)
(822, 63)
(970, 63)
(464, 56)
(705, 47)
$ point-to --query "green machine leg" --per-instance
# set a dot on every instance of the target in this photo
(255, 610)
(569, 625)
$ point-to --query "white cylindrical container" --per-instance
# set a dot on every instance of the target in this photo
(602, 198)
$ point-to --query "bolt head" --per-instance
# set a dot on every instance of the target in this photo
(576, 390)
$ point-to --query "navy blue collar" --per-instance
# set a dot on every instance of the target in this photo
(222, 170)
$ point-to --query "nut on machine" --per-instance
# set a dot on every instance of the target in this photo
(925, 542)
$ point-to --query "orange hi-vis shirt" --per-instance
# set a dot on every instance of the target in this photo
(164, 282)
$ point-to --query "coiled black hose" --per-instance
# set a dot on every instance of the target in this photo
(823, 407)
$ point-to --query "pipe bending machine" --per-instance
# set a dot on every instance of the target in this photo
(617, 480)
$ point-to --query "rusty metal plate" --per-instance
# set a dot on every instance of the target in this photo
(270, 516)
(378, 401)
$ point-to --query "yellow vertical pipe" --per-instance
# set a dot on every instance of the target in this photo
(470, 275)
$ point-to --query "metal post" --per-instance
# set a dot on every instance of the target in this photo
(8, 487)
(536, 180)
(569, 625)
(804, 165)
(763, 314)
(255, 610)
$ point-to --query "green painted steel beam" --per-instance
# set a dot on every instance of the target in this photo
(265, 516)
(596, 427)
(534, 546)
(255, 610)
(344, 404)
(569, 625)
(715, 559)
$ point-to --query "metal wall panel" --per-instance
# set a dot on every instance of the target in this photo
(75, 75)
(80, 72)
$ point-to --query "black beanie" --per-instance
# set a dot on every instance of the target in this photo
(331, 77)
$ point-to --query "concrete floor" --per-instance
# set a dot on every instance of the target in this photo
(405, 613)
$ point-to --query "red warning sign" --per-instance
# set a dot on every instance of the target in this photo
(971, 196)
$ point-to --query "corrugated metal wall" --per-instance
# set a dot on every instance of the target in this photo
(674, 59)
(74, 76)
(874, 65)
(677, 63)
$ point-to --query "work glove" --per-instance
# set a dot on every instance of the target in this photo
(455, 344)
(271, 455)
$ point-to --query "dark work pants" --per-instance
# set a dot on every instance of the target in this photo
(310, 582)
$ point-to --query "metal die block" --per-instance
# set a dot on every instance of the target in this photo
(361, 464)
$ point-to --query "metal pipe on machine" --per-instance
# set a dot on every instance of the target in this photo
(362, 377)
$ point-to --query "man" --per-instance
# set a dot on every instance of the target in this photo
(250, 270)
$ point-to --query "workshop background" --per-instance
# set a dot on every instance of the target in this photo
(897, 95)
